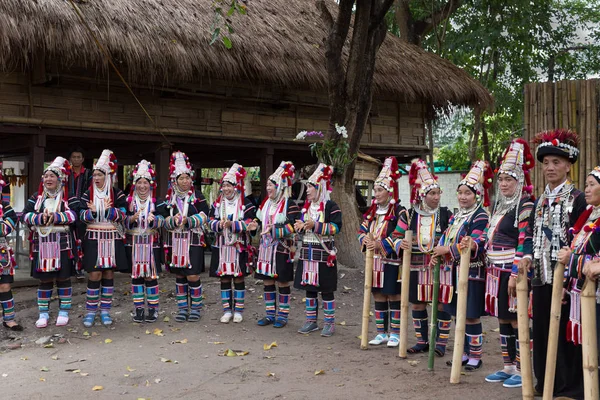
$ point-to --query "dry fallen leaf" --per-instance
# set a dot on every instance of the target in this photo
(24, 358)
(130, 369)
(97, 388)
(44, 369)
(84, 374)
(270, 374)
(126, 375)
(235, 353)
(157, 380)
(94, 334)
(166, 319)
(42, 379)
(175, 329)
(347, 288)
(76, 371)
(148, 332)
(54, 358)
(165, 360)
(413, 362)
(319, 372)
(107, 341)
(183, 341)
(371, 313)
(216, 342)
(147, 382)
(158, 332)
(49, 345)
(269, 346)
(86, 333)
(343, 323)
(359, 337)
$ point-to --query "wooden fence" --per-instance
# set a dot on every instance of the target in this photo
(565, 104)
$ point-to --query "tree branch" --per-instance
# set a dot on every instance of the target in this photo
(425, 26)
(380, 12)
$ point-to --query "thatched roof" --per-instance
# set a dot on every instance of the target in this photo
(162, 42)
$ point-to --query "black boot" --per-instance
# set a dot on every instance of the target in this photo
(152, 315)
(139, 315)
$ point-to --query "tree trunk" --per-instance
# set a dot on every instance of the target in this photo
(349, 253)
(474, 139)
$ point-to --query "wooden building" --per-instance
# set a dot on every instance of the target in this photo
(245, 104)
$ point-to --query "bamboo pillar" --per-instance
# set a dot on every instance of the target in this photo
(553, 330)
(406, 255)
(589, 341)
(524, 341)
(461, 312)
(364, 340)
(434, 316)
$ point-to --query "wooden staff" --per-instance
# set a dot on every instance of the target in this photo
(524, 343)
(367, 297)
(404, 299)
(434, 315)
(589, 341)
(461, 311)
(555, 310)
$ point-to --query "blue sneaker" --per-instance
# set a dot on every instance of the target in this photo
(513, 382)
(499, 376)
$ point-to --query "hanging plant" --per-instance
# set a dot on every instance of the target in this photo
(334, 152)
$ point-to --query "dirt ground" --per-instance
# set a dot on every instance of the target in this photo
(185, 361)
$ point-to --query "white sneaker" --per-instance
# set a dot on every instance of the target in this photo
(226, 318)
(237, 317)
(379, 339)
(393, 341)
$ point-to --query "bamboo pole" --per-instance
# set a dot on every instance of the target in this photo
(524, 341)
(553, 330)
(461, 311)
(434, 315)
(589, 341)
(367, 298)
(406, 255)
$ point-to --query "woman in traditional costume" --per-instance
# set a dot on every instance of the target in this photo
(375, 233)
(428, 221)
(185, 211)
(505, 238)
(581, 258)
(275, 263)
(470, 221)
(103, 209)
(320, 221)
(143, 225)
(52, 219)
(8, 222)
(231, 218)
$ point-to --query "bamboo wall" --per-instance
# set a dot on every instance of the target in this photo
(565, 104)
(214, 108)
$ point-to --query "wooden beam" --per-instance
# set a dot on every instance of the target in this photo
(266, 168)
(36, 163)
(161, 157)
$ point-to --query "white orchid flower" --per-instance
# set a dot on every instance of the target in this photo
(301, 135)
(341, 130)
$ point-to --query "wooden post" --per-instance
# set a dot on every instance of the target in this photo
(434, 315)
(161, 159)
(36, 163)
(266, 169)
(552, 350)
(461, 312)
(364, 339)
(589, 340)
(406, 255)
(524, 343)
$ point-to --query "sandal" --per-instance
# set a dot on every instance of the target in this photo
(15, 328)
(89, 319)
(265, 321)
(63, 318)
(106, 319)
(181, 316)
(194, 316)
(42, 321)
(280, 322)
(464, 362)
(418, 348)
(470, 367)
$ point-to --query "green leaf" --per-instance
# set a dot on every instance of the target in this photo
(227, 42)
